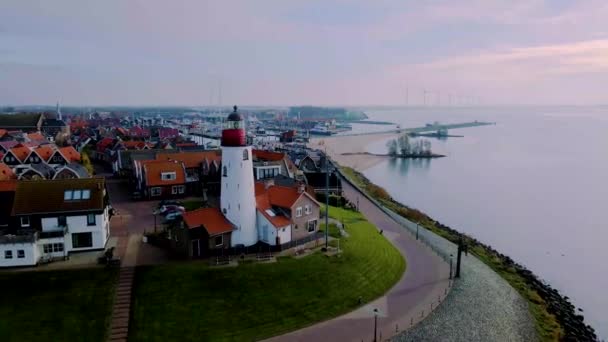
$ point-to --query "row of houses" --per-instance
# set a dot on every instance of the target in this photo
(50, 219)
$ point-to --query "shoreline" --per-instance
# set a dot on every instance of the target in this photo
(399, 156)
(556, 318)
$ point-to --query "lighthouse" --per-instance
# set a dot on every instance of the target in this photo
(237, 198)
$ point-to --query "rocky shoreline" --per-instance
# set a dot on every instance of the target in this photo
(572, 326)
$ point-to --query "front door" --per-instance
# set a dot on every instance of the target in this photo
(196, 248)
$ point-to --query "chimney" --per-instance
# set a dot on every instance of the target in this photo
(301, 188)
(268, 183)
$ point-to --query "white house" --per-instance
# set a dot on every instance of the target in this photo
(53, 218)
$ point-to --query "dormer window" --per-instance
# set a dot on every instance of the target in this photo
(225, 172)
(168, 176)
(76, 195)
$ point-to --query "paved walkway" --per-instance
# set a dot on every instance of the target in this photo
(423, 285)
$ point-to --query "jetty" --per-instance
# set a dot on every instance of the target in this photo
(435, 127)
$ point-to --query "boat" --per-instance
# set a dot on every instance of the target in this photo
(320, 130)
(260, 131)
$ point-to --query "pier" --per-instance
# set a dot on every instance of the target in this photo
(424, 129)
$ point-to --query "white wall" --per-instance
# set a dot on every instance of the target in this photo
(238, 195)
(31, 254)
(268, 233)
(78, 224)
(42, 242)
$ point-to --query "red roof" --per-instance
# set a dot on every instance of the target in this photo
(282, 196)
(20, 153)
(191, 159)
(6, 173)
(2, 132)
(166, 133)
(132, 144)
(36, 136)
(45, 152)
(263, 204)
(154, 168)
(70, 154)
(268, 155)
(103, 144)
(211, 219)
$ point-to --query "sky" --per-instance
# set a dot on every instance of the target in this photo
(481, 52)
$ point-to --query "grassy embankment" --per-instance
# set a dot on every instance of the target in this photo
(70, 305)
(192, 301)
(547, 326)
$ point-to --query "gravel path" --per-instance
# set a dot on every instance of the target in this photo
(480, 307)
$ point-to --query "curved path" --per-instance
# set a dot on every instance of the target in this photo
(424, 283)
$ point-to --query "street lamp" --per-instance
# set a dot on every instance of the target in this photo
(326, 200)
(417, 225)
(375, 324)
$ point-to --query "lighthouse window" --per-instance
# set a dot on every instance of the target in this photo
(225, 172)
(245, 155)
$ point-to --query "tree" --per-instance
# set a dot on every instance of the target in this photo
(392, 147)
(404, 144)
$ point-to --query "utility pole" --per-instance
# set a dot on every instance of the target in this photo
(326, 199)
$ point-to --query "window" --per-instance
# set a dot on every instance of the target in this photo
(155, 191)
(307, 209)
(25, 221)
(225, 171)
(77, 195)
(90, 219)
(245, 154)
(167, 176)
(20, 253)
(58, 247)
(298, 211)
(181, 189)
(62, 221)
(174, 190)
(312, 226)
(67, 195)
(47, 248)
(82, 240)
(177, 189)
(8, 254)
(86, 194)
(219, 240)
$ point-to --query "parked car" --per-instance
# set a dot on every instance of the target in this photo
(169, 202)
(173, 216)
(166, 209)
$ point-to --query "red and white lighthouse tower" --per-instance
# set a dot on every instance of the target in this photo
(237, 198)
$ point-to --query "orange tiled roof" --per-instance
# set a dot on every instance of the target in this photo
(154, 168)
(6, 173)
(263, 204)
(35, 136)
(282, 196)
(45, 152)
(268, 155)
(191, 159)
(2, 132)
(70, 154)
(210, 218)
(20, 153)
(132, 144)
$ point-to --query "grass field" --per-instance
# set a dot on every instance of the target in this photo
(190, 301)
(56, 305)
(547, 326)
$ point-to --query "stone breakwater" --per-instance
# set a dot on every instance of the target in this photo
(572, 323)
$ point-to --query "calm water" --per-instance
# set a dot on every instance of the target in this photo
(534, 187)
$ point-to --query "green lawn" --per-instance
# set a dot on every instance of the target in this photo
(56, 305)
(190, 301)
(192, 204)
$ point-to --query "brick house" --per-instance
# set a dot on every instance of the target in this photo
(159, 179)
(202, 232)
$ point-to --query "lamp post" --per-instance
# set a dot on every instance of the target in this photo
(375, 324)
(417, 230)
